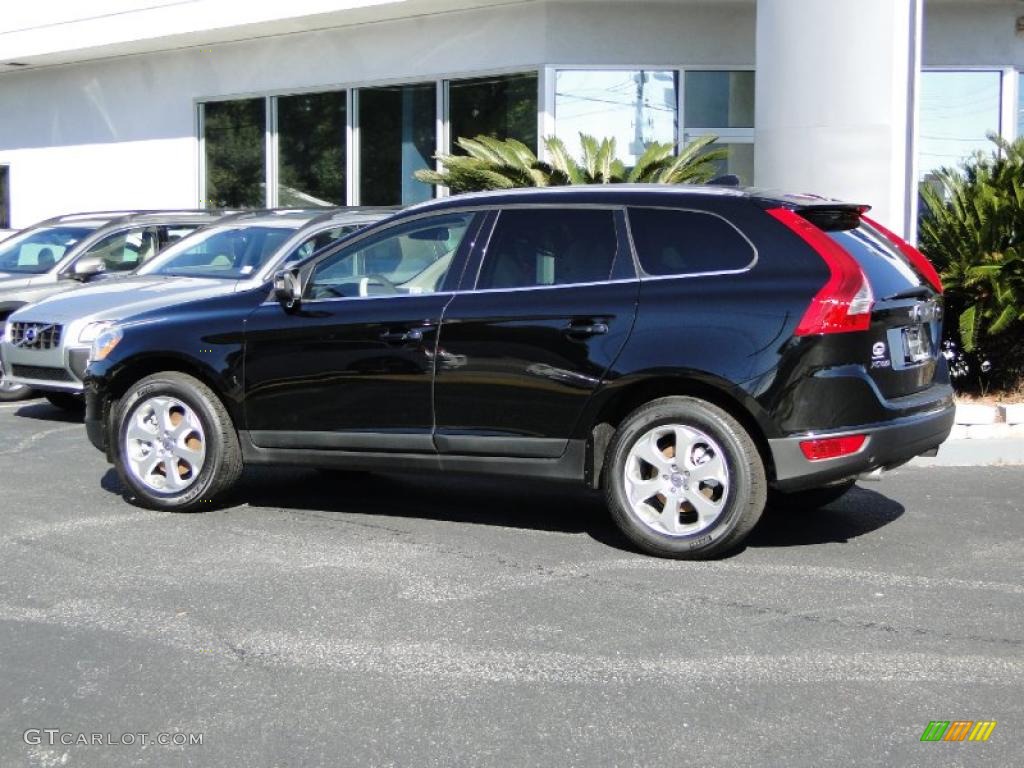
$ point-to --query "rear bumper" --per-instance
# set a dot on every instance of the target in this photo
(887, 445)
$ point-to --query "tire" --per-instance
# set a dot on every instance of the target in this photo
(189, 464)
(66, 401)
(721, 464)
(810, 499)
(12, 393)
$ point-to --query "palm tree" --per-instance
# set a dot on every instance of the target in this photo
(491, 163)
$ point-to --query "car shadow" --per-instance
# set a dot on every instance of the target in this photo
(527, 504)
(860, 511)
(40, 410)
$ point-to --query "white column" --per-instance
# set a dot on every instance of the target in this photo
(836, 102)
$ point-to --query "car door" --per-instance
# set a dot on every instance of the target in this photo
(352, 368)
(547, 306)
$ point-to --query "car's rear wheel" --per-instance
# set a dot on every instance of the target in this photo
(66, 401)
(811, 498)
(177, 448)
(684, 479)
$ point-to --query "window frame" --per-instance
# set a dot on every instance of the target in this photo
(549, 116)
(352, 171)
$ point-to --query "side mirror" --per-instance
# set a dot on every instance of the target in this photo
(88, 266)
(288, 289)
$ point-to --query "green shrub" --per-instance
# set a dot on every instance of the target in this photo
(972, 228)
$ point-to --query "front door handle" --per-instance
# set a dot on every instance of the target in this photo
(413, 334)
(583, 329)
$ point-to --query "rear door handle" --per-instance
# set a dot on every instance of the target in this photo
(413, 334)
(586, 329)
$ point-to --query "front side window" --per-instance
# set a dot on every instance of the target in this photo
(231, 254)
(674, 242)
(39, 250)
(534, 247)
(314, 243)
(124, 251)
(409, 258)
(234, 134)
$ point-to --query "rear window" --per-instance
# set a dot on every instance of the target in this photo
(675, 242)
(887, 268)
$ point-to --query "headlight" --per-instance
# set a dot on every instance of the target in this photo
(92, 331)
(104, 344)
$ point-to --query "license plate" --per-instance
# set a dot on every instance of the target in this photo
(916, 344)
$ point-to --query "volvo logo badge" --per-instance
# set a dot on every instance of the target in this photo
(31, 334)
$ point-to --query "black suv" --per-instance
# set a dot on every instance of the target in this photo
(684, 349)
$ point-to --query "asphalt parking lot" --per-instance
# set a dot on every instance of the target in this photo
(403, 620)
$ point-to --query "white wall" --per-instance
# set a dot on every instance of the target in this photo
(972, 33)
(833, 114)
(121, 132)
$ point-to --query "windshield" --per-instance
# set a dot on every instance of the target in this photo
(231, 254)
(38, 250)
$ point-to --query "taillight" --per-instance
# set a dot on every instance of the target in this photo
(914, 256)
(844, 303)
(832, 447)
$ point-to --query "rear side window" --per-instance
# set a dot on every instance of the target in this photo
(535, 247)
(674, 242)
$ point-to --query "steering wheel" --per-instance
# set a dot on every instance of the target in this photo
(366, 282)
(323, 291)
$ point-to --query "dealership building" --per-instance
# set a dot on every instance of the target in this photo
(182, 103)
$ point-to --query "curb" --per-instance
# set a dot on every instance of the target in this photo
(976, 452)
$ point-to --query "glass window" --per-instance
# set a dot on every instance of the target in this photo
(504, 107)
(635, 107)
(672, 242)
(38, 250)
(957, 110)
(397, 137)
(124, 251)
(719, 99)
(5, 198)
(311, 149)
(1020, 106)
(549, 247)
(227, 253)
(235, 153)
(408, 258)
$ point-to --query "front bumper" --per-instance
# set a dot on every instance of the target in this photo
(888, 445)
(60, 369)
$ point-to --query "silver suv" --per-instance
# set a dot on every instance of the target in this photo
(64, 253)
(46, 345)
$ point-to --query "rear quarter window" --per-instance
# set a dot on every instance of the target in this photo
(678, 242)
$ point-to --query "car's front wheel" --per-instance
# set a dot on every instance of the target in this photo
(177, 448)
(11, 392)
(684, 479)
